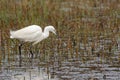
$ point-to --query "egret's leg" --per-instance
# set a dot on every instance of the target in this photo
(31, 52)
(20, 45)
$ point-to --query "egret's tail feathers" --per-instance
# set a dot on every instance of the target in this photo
(11, 34)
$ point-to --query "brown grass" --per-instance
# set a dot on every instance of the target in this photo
(75, 21)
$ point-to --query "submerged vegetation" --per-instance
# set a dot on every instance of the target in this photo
(85, 28)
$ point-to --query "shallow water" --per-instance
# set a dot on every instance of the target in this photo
(86, 66)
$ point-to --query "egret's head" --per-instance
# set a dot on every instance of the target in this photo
(52, 29)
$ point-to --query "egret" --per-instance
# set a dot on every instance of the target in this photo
(32, 33)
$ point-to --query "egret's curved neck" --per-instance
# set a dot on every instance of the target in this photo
(46, 33)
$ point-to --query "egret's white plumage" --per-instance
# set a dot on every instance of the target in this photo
(32, 33)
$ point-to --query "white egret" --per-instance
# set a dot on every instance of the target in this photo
(32, 33)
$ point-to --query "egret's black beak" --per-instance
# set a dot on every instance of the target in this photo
(54, 32)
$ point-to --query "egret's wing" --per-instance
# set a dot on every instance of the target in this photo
(28, 33)
(30, 29)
